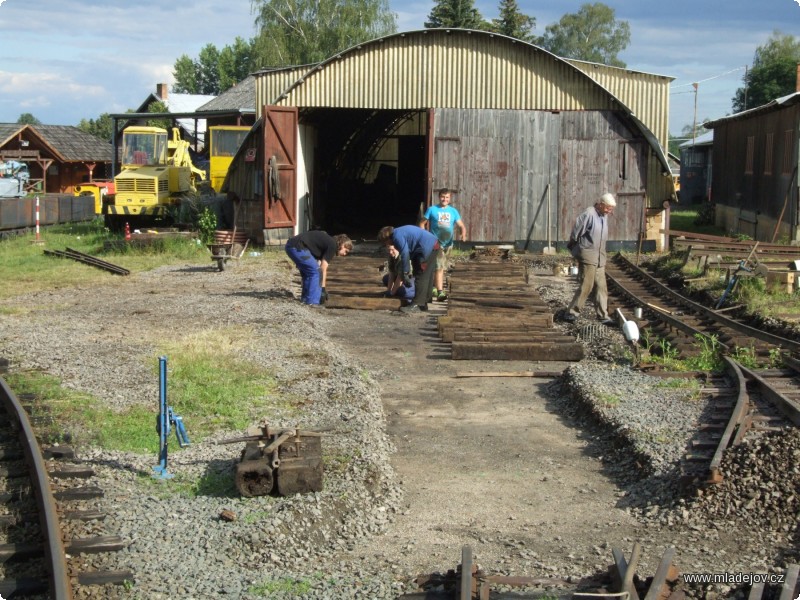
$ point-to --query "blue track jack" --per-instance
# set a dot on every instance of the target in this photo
(166, 419)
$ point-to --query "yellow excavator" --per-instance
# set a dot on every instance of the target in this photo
(157, 176)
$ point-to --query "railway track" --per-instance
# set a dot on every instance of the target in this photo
(741, 401)
(468, 582)
(40, 525)
(679, 320)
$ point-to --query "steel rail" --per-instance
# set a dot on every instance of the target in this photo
(55, 556)
(706, 312)
(735, 423)
(87, 259)
(786, 405)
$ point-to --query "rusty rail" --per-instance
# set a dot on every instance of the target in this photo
(55, 557)
(88, 259)
(61, 575)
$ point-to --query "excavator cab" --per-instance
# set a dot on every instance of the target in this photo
(225, 142)
(144, 146)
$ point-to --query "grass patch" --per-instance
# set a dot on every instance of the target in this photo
(208, 385)
(256, 516)
(689, 219)
(26, 268)
(219, 484)
(133, 430)
(282, 585)
(609, 400)
(212, 388)
(691, 385)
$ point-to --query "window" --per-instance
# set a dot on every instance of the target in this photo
(748, 161)
(769, 141)
(788, 147)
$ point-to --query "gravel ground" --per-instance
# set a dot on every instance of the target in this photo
(288, 547)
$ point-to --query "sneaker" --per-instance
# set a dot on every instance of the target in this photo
(434, 292)
(411, 308)
(569, 318)
(608, 321)
(442, 297)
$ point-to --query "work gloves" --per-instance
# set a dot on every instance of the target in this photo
(324, 297)
(407, 280)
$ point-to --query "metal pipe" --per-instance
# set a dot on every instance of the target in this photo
(279, 440)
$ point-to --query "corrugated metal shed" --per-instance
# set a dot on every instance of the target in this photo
(587, 129)
(271, 83)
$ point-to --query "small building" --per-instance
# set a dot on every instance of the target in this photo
(756, 154)
(237, 103)
(695, 169)
(58, 157)
(193, 129)
(525, 139)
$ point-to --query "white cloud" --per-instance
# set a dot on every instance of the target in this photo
(75, 59)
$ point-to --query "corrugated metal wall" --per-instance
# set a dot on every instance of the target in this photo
(646, 94)
(53, 209)
(435, 68)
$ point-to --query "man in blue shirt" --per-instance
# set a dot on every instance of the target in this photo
(417, 247)
(443, 220)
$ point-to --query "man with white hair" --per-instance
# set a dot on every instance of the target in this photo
(587, 243)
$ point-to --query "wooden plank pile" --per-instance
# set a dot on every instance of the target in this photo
(355, 282)
(494, 314)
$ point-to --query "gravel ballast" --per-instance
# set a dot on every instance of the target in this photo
(179, 546)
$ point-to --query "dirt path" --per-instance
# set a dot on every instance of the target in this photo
(485, 462)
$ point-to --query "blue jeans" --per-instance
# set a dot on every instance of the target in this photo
(403, 292)
(309, 272)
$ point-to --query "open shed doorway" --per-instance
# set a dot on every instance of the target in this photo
(369, 169)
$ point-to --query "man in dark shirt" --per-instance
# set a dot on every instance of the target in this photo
(312, 251)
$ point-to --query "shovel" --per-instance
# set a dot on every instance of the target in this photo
(549, 248)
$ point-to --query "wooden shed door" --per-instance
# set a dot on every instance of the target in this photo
(280, 166)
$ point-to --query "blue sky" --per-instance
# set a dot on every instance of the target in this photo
(65, 60)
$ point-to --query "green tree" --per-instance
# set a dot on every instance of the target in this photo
(208, 70)
(456, 13)
(185, 73)
(772, 75)
(28, 119)
(102, 127)
(235, 63)
(513, 23)
(214, 71)
(298, 32)
(159, 107)
(592, 34)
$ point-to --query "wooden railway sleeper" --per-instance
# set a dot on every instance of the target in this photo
(468, 582)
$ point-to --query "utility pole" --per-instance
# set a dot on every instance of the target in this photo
(745, 87)
(694, 124)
